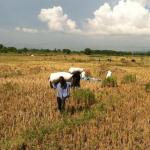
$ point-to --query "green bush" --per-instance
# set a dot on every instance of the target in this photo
(147, 87)
(109, 82)
(84, 97)
(129, 78)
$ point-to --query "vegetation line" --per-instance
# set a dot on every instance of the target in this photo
(87, 51)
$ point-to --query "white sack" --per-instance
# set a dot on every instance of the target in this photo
(54, 77)
(83, 75)
(74, 70)
(109, 74)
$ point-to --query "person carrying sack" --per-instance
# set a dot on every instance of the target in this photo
(76, 80)
(63, 92)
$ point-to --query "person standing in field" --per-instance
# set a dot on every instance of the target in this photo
(63, 92)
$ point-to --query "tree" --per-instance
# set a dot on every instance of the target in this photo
(12, 49)
(88, 51)
(25, 50)
(1, 46)
(66, 51)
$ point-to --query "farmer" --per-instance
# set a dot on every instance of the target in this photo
(76, 79)
(63, 92)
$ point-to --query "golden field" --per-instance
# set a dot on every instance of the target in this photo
(118, 120)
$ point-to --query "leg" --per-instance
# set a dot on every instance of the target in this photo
(63, 103)
(59, 103)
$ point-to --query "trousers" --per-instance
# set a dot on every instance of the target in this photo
(61, 103)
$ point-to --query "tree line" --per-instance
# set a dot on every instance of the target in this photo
(87, 51)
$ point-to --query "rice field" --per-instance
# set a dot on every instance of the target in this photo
(118, 119)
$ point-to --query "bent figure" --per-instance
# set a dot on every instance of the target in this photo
(63, 92)
(76, 79)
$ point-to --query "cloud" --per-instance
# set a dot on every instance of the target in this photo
(26, 30)
(57, 20)
(128, 17)
(144, 2)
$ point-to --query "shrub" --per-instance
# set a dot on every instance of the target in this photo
(84, 97)
(130, 78)
(109, 82)
(147, 87)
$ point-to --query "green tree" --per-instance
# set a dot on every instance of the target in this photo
(88, 51)
(66, 51)
(12, 49)
(1, 46)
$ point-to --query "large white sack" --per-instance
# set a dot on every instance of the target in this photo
(55, 76)
(74, 70)
(109, 74)
(83, 75)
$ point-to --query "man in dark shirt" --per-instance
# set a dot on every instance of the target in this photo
(76, 80)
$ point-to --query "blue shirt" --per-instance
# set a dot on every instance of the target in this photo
(62, 92)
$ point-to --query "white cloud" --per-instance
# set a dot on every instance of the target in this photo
(127, 17)
(57, 20)
(26, 30)
(144, 2)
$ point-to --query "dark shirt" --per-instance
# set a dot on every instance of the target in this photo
(76, 80)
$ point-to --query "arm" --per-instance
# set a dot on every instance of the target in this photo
(55, 85)
(51, 85)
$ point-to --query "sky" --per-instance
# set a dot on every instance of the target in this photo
(76, 24)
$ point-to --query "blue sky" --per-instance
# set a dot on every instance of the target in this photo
(24, 12)
(98, 24)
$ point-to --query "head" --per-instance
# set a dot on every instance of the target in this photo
(76, 75)
(62, 81)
